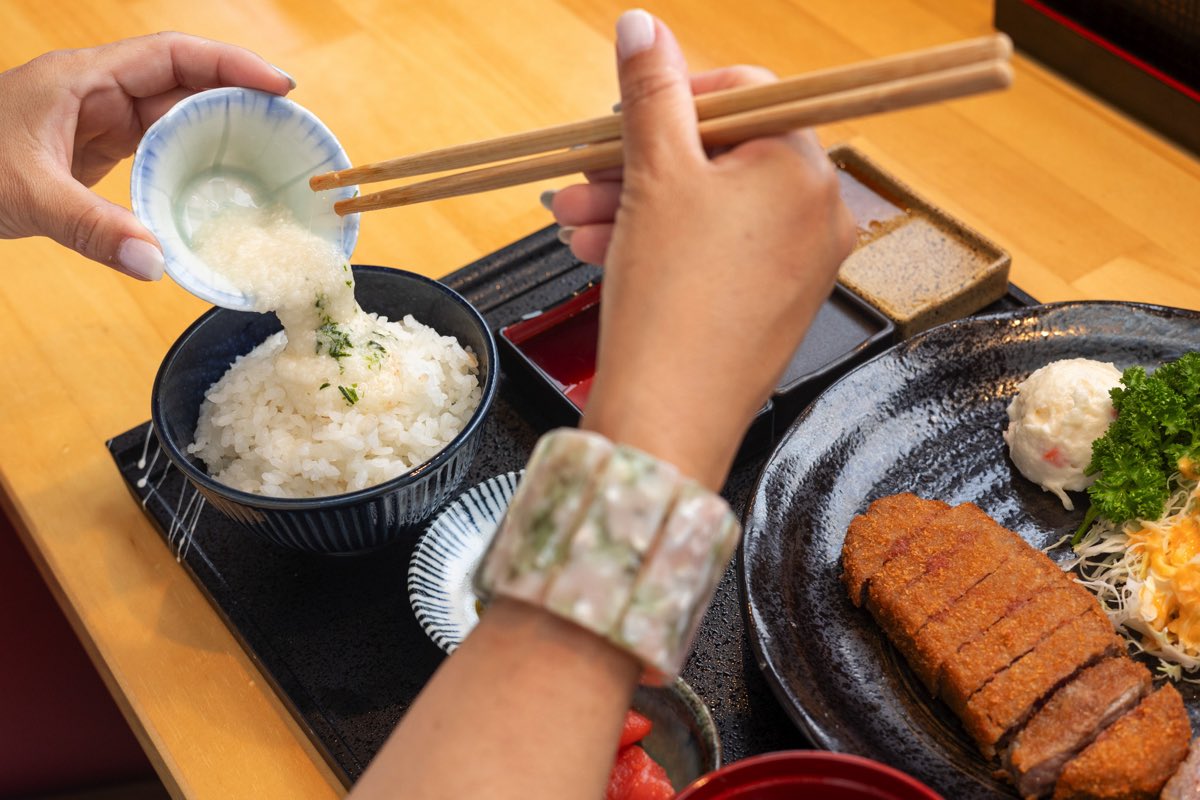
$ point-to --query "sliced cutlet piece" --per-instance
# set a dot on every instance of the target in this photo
(1008, 700)
(977, 662)
(927, 550)
(995, 597)
(1185, 783)
(1133, 759)
(1073, 717)
(874, 538)
(984, 547)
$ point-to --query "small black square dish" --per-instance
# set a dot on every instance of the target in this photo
(846, 332)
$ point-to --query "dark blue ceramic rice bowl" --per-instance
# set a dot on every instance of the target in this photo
(338, 524)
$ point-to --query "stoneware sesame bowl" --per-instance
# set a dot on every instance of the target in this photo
(338, 524)
(226, 148)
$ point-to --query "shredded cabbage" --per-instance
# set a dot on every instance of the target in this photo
(1115, 566)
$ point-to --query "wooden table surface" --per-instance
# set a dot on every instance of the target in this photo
(1090, 205)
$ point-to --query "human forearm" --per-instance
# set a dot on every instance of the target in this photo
(713, 272)
(682, 436)
(529, 706)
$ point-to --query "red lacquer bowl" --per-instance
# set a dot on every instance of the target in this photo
(807, 774)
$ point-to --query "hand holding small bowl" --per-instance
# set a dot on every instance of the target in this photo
(231, 148)
(70, 116)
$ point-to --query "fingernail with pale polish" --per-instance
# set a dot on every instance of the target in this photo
(547, 199)
(565, 233)
(291, 81)
(635, 33)
(140, 259)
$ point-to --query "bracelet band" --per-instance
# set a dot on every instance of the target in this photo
(615, 541)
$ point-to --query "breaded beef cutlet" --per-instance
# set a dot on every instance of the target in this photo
(984, 547)
(933, 547)
(1009, 699)
(1023, 654)
(1010, 639)
(874, 538)
(1071, 720)
(1134, 757)
(983, 605)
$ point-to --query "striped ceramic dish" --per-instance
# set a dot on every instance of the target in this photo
(443, 563)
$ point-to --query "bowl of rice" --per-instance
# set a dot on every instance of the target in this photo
(340, 454)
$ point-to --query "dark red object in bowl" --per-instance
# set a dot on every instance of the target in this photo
(561, 344)
(808, 774)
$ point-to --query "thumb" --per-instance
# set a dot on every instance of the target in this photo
(658, 111)
(77, 218)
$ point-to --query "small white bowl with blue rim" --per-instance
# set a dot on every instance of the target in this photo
(231, 147)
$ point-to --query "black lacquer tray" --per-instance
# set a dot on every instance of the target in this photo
(336, 636)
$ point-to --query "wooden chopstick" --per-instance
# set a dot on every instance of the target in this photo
(891, 95)
(715, 104)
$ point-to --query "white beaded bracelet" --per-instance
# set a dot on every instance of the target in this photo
(613, 540)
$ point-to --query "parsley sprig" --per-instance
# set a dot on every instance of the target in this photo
(1156, 434)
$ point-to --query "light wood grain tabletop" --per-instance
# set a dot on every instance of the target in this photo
(1090, 205)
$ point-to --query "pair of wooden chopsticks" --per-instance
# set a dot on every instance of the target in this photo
(726, 118)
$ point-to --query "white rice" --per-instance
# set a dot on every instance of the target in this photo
(316, 416)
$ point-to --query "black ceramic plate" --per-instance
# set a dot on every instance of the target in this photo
(926, 416)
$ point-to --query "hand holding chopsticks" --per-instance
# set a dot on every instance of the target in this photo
(726, 118)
